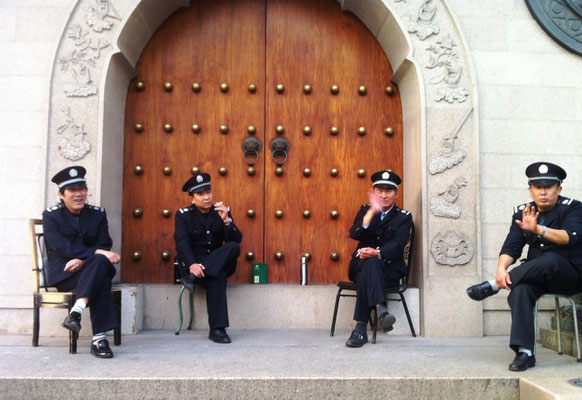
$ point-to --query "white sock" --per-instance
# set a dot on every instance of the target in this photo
(79, 306)
(98, 336)
(524, 350)
(493, 285)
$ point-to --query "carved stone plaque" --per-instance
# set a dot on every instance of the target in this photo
(562, 21)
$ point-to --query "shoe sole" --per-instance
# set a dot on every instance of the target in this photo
(72, 328)
(388, 322)
(110, 355)
(522, 369)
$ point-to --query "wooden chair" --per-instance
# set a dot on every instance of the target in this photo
(556, 298)
(178, 280)
(46, 298)
(398, 290)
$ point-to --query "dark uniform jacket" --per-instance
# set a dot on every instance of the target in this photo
(565, 215)
(198, 234)
(67, 239)
(389, 236)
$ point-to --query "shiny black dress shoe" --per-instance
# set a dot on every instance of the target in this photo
(72, 322)
(357, 339)
(387, 321)
(481, 291)
(522, 361)
(186, 277)
(101, 349)
(219, 335)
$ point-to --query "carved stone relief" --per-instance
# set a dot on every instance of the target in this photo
(451, 248)
(79, 59)
(561, 20)
(445, 59)
(448, 156)
(444, 206)
(423, 26)
(75, 146)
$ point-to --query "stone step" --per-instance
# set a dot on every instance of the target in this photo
(260, 388)
(549, 338)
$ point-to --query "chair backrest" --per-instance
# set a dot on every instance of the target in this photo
(407, 255)
(39, 254)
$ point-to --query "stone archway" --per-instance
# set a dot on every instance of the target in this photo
(94, 64)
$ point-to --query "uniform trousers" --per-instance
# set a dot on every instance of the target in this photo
(547, 273)
(219, 264)
(94, 281)
(370, 277)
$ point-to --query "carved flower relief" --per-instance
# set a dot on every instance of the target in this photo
(451, 249)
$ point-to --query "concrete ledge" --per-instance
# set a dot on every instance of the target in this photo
(290, 388)
(270, 306)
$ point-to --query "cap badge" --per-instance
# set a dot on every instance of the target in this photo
(385, 175)
(73, 173)
(543, 169)
(199, 178)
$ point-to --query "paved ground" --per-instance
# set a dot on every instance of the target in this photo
(283, 354)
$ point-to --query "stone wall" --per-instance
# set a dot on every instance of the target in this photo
(525, 91)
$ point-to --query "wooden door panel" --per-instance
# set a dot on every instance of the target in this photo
(186, 49)
(265, 42)
(313, 42)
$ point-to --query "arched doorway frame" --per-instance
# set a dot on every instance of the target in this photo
(404, 31)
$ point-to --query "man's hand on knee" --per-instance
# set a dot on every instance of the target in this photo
(113, 257)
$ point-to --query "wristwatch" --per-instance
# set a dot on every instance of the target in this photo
(544, 230)
(379, 254)
(228, 221)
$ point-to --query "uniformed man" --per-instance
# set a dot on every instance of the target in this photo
(550, 225)
(383, 230)
(80, 257)
(207, 243)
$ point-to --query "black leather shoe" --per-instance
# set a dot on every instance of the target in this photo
(481, 291)
(387, 321)
(186, 277)
(219, 335)
(522, 361)
(101, 349)
(72, 322)
(357, 339)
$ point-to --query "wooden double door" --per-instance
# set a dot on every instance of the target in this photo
(302, 79)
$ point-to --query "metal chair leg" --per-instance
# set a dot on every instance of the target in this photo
(35, 326)
(333, 321)
(408, 315)
(374, 326)
(117, 331)
(576, 332)
(191, 300)
(536, 324)
(180, 308)
(557, 302)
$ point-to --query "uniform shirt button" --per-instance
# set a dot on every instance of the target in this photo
(209, 242)
(378, 237)
(542, 245)
(207, 231)
(208, 250)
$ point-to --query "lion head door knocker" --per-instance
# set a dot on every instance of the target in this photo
(251, 148)
(279, 150)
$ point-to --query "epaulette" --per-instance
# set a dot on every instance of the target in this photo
(567, 201)
(91, 207)
(53, 208)
(405, 212)
(186, 209)
(519, 207)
